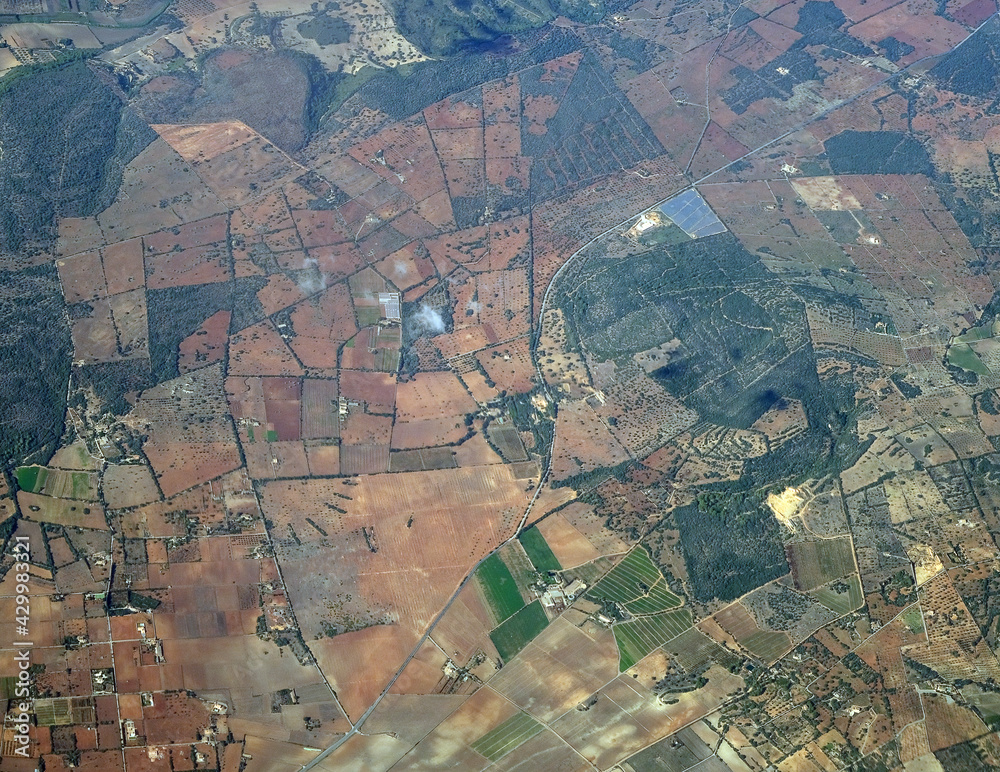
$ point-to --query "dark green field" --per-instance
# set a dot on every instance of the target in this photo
(27, 478)
(447, 27)
(514, 634)
(538, 551)
(325, 29)
(499, 588)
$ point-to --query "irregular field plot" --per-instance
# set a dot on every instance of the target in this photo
(499, 588)
(514, 634)
(640, 636)
(693, 649)
(506, 737)
(838, 601)
(31, 478)
(538, 551)
(764, 644)
(638, 584)
(521, 569)
(769, 646)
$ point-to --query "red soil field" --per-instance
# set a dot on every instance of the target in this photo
(509, 365)
(412, 225)
(465, 177)
(407, 267)
(206, 345)
(279, 292)
(436, 209)
(406, 149)
(323, 460)
(282, 406)
(364, 459)
(211, 230)
(453, 113)
(318, 227)
(198, 265)
(428, 432)
(272, 460)
(123, 266)
(81, 277)
(377, 390)
(259, 350)
(463, 247)
(501, 172)
(453, 144)
(502, 100)
(336, 261)
(455, 516)
(432, 395)
(181, 465)
(359, 428)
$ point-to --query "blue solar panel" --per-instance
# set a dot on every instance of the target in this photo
(692, 214)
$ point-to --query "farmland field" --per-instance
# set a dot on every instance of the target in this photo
(693, 649)
(766, 645)
(512, 636)
(841, 597)
(521, 568)
(639, 637)
(499, 588)
(31, 478)
(962, 355)
(500, 741)
(538, 551)
(636, 583)
(60, 483)
(341, 339)
(815, 563)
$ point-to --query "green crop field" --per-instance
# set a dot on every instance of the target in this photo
(639, 637)
(499, 588)
(367, 316)
(82, 485)
(387, 360)
(521, 569)
(962, 355)
(843, 601)
(538, 551)
(511, 734)
(31, 478)
(913, 618)
(659, 598)
(638, 584)
(514, 634)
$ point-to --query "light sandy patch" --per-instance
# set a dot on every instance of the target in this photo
(825, 193)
